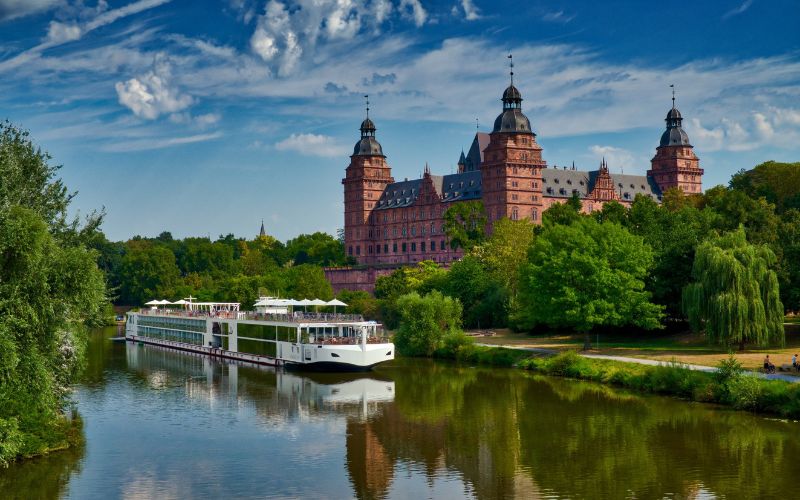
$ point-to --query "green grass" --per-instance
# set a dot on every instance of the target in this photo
(729, 387)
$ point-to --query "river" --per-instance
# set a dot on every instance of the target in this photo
(163, 424)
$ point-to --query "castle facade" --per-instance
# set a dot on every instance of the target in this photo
(388, 223)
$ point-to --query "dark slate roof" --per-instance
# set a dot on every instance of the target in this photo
(399, 194)
(512, 94)
(512, 120)
(559, 183)
(464, 186)
(475, 154)
(674, 136)
(368, 146)
(453, 187)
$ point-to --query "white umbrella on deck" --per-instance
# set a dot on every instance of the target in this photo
(152, 303)
(305, 303)
(336, 302)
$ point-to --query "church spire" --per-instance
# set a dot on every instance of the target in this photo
(262, 232)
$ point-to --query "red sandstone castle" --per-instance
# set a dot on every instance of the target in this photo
(388, 223)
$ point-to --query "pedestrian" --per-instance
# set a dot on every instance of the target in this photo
(794, 363)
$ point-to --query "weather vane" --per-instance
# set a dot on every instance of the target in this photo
(366, 96)
(510, 56)
(673, 95)
(476, 124)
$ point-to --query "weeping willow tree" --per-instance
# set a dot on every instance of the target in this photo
(735, 297)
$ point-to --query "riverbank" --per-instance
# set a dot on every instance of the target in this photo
(730, 384)
(684, 348)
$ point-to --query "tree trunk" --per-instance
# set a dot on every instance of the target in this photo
(587, 342)
(741, 345)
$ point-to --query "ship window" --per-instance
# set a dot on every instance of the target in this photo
(334, 355)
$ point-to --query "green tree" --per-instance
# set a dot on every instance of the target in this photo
(484, 299)
(49, 286)
(563, 213)
(318, 248)
(425, 322)
(585, 275)
(308, 281)
(735, 296)
(778, 183)
(465, 224)
(147, 271)
(789, 240)
(505, 251)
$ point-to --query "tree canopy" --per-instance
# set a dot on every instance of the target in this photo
(465, 224)
(734, 297)
(50, 286)
(587, 274)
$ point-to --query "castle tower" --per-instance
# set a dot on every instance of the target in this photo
(511, 173)
(364, 182)
(675, 164)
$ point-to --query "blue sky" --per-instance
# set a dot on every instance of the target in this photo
(203, 117)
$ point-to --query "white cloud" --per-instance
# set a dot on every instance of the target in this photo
(159, 143)
(557, 17)
(59, 33)
(152, 94)
(471, 13)
(616, 158)
(771, 126)
(311, 145)
(288, 30)
(738, 10)
(10, 9)
(413, 10)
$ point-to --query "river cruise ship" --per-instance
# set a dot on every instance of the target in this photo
(274, 334)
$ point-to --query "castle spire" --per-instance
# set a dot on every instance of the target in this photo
(511, 65)
(673, 95)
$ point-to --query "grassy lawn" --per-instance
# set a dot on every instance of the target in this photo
(685, 348)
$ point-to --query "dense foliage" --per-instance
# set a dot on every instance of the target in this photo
(50, 287)
(227, 269)
(587, 274)
(734, 297)
(426, 323)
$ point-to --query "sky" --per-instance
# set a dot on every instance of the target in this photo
(204, 117)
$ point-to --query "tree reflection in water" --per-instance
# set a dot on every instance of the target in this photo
(411, 428)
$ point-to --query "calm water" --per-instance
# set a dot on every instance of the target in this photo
(161, 424)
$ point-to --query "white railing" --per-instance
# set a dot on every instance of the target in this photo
(295, 317)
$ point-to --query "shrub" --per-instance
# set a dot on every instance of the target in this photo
(425, 322)
(745, 393)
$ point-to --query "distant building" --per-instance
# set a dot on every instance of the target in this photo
(262, 233)
(390, 223)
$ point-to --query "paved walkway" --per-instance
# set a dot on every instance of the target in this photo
(650, 362)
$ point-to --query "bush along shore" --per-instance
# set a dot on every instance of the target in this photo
(731, 385)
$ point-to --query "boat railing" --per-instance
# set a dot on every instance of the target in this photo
(295, 317)
(347, 340)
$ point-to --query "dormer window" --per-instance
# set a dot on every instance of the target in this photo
(569, 182)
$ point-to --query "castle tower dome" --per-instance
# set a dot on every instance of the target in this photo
(368, 145)
(674, 135)
(512, 119)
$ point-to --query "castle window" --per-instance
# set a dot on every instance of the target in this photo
(385, 248)
(358, 249)
(581, 183)
(549, 190)
(405, 248)
(471, 183)
(620, 184)
(394, 247)
(642, 186)
(562, 191)
(394, 231)
(422, 246)
(461, 184)
(385, 217)
(350, 250)
(369, 249)
(377, 249)
(569, 182)
(515, 213)
(627, 196)
(442, 245)
(556, 181)
(413, 230)
(514, 196)
(413, 247)
(534, 214)
(385, 233)
(404, 231)
(632, 186)
(433, 228)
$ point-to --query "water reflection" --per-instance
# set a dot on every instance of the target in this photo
(163, 424)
